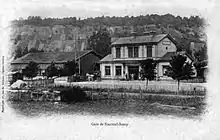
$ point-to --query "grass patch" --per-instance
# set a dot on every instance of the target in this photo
(110, 107)
(118, 104)
(73, 94)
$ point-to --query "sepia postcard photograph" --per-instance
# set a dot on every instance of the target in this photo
(103, 70)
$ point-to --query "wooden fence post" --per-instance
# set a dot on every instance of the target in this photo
(31, 96)
(91, 95)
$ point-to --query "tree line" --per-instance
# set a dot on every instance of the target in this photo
(163, 23)
(164, 20)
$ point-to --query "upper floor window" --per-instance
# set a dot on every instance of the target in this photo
(132, 51)
(118, 52)
(135, 51)
(149, 51)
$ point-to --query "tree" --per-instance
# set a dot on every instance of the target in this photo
(148, 69)
(16, 76)
(18, 53)
(100, 42)
(201, 54)
(200, 69)
(51, 70)
(34, 50)
(180, 69)
(31, 70)
(70, 68)
(201, 63)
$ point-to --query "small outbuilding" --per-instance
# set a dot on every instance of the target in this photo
(87, 60)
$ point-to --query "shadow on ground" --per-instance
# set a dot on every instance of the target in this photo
(104, 107)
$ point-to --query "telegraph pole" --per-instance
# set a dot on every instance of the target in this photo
(3, 83)
(77, 54)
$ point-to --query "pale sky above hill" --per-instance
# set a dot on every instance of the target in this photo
(94, 8)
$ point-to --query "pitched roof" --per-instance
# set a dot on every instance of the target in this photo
(107, 58)
(48, 57)
(168, 56)
(186, 54)
(140, 39)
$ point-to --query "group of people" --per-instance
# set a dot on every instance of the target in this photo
(93, 77)
(131, 76)
(134, 76)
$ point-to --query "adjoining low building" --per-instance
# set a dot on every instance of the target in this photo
(87, 60)
(127, 52)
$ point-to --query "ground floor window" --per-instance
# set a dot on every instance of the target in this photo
(118, 70)
(107, 70)
(133, 72)
(165, 70)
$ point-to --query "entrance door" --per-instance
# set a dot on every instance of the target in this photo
(133, 72)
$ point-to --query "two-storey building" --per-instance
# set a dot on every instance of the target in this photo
(126, 53)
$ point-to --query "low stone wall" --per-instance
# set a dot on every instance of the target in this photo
(33, 95)
(39, 82)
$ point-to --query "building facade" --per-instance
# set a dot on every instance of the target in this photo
(86, 60)
(127, 52)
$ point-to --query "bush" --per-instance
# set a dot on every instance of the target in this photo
(74, 94)
(16, 76)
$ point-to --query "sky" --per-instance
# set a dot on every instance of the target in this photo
(94, 8)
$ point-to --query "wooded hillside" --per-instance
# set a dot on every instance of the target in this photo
(68, 34)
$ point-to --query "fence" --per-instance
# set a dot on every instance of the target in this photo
(136, 86)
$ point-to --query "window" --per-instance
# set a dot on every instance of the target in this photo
(149, 51)
(118, 53)
(135, 51)
(118, 70)
(165, 70)
(132, 51)
(107, 70)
